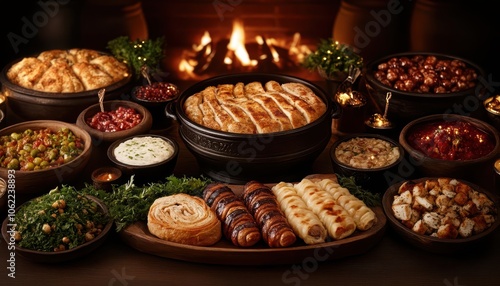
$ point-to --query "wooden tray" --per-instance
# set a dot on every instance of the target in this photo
(138, 236)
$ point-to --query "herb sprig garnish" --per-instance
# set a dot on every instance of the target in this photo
(138, 53)
(369, 198)
(129, 203)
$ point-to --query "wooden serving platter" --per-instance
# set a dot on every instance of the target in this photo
(138, 236)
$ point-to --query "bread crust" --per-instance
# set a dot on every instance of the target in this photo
(68, 71)
(253, 108)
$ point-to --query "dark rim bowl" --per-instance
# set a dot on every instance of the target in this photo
(406, 106)
(98, 136)
(65, 255)
(435, 244)
(146, 173)
(448, 168)
(31, 182)
(32, 104)
(236, 158)
(374, 179)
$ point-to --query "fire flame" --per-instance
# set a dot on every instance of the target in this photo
(199, 59)
(237, 46)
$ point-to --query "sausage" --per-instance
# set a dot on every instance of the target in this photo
(238, 224)
(263, 205)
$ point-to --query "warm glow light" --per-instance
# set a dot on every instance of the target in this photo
(276, 56)
(237, 44)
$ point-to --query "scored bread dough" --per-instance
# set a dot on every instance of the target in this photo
(253, 108)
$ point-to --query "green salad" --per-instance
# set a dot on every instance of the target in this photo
(60, 220)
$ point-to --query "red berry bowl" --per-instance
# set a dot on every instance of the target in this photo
(155, 97)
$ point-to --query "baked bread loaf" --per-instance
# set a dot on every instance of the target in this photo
(185, 219)
(67, 71)
(253, 108)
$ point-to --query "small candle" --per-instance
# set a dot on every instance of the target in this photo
(104, 177)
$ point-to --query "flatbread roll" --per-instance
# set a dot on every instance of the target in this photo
(364, 217)
(337, 220)
(305, 223)
(185, 219)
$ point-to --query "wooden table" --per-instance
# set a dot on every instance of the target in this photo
(390, 262)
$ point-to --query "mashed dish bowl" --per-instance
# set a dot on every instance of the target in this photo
(421, 83)
(450, 145)
(42, 165)
(120, 119)
(441, 214)
(148, 157)
(372, 159)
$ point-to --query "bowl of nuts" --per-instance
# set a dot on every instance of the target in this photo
(423, 83)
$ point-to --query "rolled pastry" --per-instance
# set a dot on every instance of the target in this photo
(364, 217)
(185, 219)
(239, 226)
(305, 223)
(262, 204)
(336, 219)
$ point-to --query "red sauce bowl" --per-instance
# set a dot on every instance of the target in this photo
(432, 151)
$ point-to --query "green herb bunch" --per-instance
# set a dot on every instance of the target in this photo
(128, 203)
(369, 198)
(138, 53)
(332, 58)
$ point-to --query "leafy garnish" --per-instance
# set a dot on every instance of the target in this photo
(129, 203)
(369, 198)
(138, 53)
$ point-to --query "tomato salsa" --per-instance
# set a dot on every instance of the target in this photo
(451, 140)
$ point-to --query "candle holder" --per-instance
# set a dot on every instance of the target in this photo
(496, 168)
(103, 178)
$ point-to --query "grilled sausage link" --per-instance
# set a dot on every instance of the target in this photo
(238, 225)
(263, 205)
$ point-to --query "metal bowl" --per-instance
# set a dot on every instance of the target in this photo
(237, 158)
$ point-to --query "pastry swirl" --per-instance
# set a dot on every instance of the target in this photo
(185, 219)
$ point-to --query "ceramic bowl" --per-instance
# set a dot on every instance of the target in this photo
(238, 158)
(405, 106)
(380, 172)
(102, 137)
(65, 255)
(471, 169)
(39, 181)
(155, 96)
(434, 244)
(145, 172)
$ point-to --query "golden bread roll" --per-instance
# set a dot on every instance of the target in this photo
(305, 223)
(185, 219)
(68, 71)
(336, 219)
(364, 217)
(253, 108)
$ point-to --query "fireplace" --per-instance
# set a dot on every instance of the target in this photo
(205, 38)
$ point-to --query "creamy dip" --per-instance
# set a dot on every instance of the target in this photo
(142, 151)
